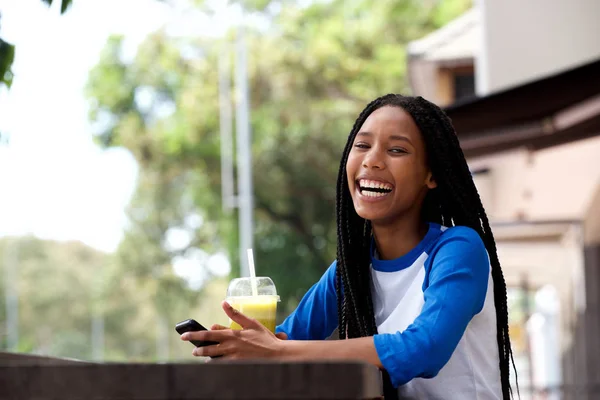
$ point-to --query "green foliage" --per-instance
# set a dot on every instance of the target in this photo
(62, 286)
(7, 57)
(64, 4)
(53, 282)
(311, 72)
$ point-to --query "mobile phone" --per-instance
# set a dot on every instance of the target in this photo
(190, 325)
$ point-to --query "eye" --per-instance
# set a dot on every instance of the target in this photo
(362, 145)
(397, 150)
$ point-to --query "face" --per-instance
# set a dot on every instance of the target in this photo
(387, 168)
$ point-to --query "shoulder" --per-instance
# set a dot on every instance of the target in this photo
(330, 272)
(459, 238)
(461, 232)
(458, 250)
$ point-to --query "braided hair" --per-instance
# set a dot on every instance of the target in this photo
(455, 201)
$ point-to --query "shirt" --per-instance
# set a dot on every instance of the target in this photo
(435, 314)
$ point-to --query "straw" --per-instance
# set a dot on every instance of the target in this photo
(252, 273)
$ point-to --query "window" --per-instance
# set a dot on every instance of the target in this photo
(464, 85)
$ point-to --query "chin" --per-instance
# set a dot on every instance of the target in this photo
(371, 215)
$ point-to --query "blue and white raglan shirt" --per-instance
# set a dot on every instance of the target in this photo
(435, 315)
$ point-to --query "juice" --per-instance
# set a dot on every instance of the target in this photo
(255, 298)
(261, 308)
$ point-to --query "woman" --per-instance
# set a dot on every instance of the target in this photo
(416, 288)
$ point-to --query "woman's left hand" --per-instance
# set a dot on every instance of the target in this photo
(253, 341)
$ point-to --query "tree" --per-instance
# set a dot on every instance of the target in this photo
(144, 119)
(62, 286)
(311, 72)
(54, 280)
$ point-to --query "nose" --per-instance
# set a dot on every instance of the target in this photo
(373, 160)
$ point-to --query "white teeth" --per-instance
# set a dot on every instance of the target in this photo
(373, 194)
(366, 183)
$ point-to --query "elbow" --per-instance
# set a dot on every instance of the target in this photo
(430, 372)
(435, 358)
(427, 364)
(417, 356)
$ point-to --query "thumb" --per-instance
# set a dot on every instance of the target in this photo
(238, 317)
(281, 335)
(218, 327)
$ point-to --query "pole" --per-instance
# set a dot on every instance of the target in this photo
(244, 153)
(226, 128)
(11, 284)
(11, 258)
(162, 338)
(98, 316)
(98, 337)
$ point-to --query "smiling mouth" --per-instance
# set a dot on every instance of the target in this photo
(373, 189)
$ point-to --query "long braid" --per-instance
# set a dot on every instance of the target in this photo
(356, 316)
(348, 244)
(455, 201)
(469, 199)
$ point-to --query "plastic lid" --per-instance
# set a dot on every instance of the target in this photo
(242, 287)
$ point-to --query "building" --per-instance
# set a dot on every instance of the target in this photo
(521, 82)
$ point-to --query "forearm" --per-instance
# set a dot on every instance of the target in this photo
(362, 349)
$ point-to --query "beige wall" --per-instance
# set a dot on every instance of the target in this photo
(555, 184)
(559, 183)
(525, 40)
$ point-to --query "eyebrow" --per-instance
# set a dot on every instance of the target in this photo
(392, 137)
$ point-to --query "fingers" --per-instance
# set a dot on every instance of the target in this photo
(215, 351)
(217, 327)
(281, 335)
(210, 336)
(238, 317)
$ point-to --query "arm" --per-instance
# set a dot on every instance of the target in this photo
(315, 318)
(362, 349)
(455, 292)
(255, 341)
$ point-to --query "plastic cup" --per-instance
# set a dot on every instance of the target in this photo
(262, 306)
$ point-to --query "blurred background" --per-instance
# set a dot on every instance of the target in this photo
(145, 144)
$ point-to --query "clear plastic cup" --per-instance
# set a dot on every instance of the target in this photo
(262, 307)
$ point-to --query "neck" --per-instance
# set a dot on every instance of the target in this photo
(397, 239)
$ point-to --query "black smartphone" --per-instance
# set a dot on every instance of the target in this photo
(190, 325)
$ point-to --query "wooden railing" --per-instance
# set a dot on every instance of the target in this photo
(26, 377)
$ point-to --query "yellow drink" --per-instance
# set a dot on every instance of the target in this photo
(261, 308)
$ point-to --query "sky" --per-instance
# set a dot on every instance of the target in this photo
(55, 182)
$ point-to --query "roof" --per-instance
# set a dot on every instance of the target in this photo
(455, 40)
(556, 109)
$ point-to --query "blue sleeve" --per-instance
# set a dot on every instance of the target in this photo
(454, 292)
(316, 317)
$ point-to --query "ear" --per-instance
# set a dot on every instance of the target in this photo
(430, 181)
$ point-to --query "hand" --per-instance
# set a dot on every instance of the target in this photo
(219, 327)
(253, 341)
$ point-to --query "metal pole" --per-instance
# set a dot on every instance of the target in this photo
(244, 153)
(98, 316)
(11, 284)
(226, 128)
(162, 338)
(11, 290)
(98, 337)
